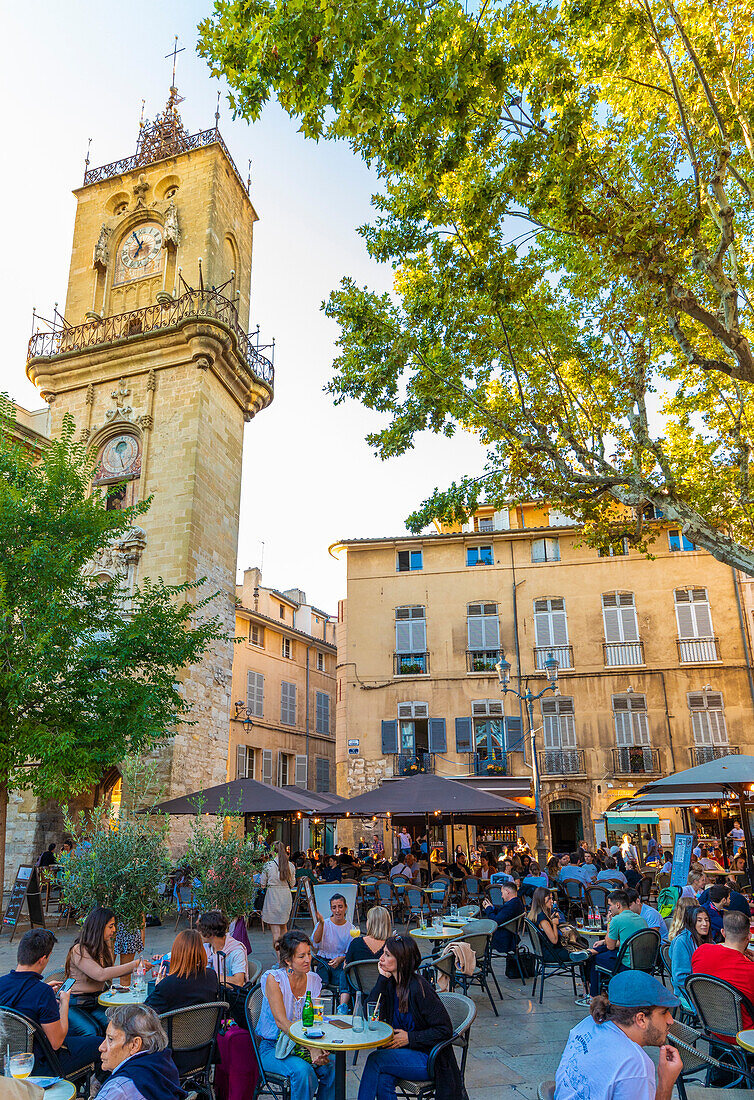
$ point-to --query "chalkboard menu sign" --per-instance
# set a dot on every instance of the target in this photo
(25, 888)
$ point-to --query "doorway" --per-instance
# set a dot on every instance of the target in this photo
(566, 824)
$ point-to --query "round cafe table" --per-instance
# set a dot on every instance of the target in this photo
(338, 1040)
(745, 1039)
(591, 931)
(108, 999)
(436, 936)
(61, 1090)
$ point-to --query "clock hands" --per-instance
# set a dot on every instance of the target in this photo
(140, 243)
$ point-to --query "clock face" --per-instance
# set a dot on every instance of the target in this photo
(120, 457)
(140, 253)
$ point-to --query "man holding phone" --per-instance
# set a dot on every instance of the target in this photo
(24, 990)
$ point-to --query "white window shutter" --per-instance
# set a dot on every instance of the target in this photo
(611, 619)
(475, 631)
(551, 727)
(267, 766)
(700, 727)
(686, 619)
(568, 731)
(418, 636)
(491, 632)
(301, 770)
(402, 636)
(241, 762)
(629, 624)
(280, 769)
(703, 617)
(501, 520)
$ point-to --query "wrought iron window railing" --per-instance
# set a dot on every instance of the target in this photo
(698, 651)
(410, 664)
(195, 304)
(482, 660)
(636, 760)
(485, 763)
(562, 762)
(702, 754)
(620, 654)
(563, 654)
(410, 763)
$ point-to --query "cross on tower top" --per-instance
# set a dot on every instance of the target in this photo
(174, 53)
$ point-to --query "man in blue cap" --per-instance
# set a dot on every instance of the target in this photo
(604, 1058)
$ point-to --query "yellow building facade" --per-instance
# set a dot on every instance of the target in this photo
(282, 728)
(654, 661)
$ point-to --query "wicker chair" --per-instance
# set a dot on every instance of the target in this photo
(462, 1012)
(596, 898)
(546, 1090)
(22, 1035)
(255, 969)
(186, 905)
(575, 892)
(637, 952)
(385, 895)
(719, 1007)
(269, 1084)
(362, 975)
(192, 1035)
(480, 942)
(685, 1039)
(415, 905)
(532, 939)
(516, 926)
(468, 911)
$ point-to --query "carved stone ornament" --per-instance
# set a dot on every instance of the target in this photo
(122, 411)
(203, 362)
(101, 252)
(151, 380)
(90, 394)
(145, 421)
(116, 559)
(172, 229)
(140, 189)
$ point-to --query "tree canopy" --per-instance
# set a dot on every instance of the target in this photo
(566, 201)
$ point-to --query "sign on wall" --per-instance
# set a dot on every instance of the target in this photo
(682, 848)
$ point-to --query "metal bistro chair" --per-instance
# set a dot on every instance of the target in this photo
(665, 967)
(685, 1039)
(362, 975)
(386, 895)
(516, 926)
(639, 951)
(596, 896)
(22, 1034)
(462, 1012)
(472, 889)
(575, 892)
(192, 1035)
(367, 894)
(719, 1007)
(532, 939)
(255, 969)
(478, 936)
(494, 894)
(269, 1084)
(186, 905)
(415, 905)
(437, 896)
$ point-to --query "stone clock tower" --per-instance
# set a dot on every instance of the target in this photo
(154, 364)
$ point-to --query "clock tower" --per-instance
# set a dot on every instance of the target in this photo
(152, 360)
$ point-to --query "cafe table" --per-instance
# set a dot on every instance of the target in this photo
(109, 998)
(436, 935)
(339, 1040)
(591, 931)
(745, 1039)
(61, 1090)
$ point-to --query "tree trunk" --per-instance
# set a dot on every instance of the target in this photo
(3, 823)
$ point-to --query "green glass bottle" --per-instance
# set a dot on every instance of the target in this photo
(307, 1013)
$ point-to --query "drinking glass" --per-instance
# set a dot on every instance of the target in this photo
(372, 1016)
(454, 911)
(437, 924)
(319, 1012)
(579, 922)
(357, 1018)
(21, 1065)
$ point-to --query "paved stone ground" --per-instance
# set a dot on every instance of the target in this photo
(510, 1054)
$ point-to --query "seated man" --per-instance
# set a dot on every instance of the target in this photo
(573, 869)
(707, 863)
(502, 938)
(622, 924)
(729, 960)
(409, 868)
(604, 1058)
(717, 903)
(24, 990)
(332, 870)
(135, 1053)
(213, 928)
(611, 871)
(331, 938)
(735, 900)
(651, 916)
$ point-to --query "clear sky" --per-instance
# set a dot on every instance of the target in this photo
(80, 69)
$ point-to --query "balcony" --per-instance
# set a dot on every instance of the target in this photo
(412, 763)
(563, 654)
(483, 660)
(410, 664)
(486, 764)
(698, 651)
(622, 654)
(702, 754)
(195, 305)
(562, 762)
(636, 760)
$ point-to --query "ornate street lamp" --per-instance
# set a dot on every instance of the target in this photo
(243, 715)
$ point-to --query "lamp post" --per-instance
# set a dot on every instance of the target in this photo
(504, 676)
(243, 714)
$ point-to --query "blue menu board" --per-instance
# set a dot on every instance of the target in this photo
(682, 847)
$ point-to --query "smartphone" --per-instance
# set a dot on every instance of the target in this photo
(67, 984)
(338, 1023)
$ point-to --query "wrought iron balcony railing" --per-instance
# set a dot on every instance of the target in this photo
(563, 654)
(702, 754)
(636, 760)
(620, 654)
(562, 762)
(482, 660)
(411, 763)
(197, 305)
(488, 763)
(698, 651)
(410, 664)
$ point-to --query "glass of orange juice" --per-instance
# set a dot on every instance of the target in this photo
(355, 932)
(21, 1065)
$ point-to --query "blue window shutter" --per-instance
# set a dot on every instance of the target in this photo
(438, 738)
(463, 735)
(389, 738)
(513, 733)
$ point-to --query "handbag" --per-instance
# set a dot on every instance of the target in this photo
(285, 1047)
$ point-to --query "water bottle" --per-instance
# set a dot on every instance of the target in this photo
(307, 1013)
(357, 1019)
(139, 977)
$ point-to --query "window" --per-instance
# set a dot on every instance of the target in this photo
(287, 648)
(255, 693)
(244, 762)
(707, 718)
(485, 526)
(559, 723)
(413, 728)
(288, 704)
(267, 765)
(614, 549)
(631, 723)
(284, 769)
(692, 613)
(678, 541)
(282, 611)
(408, 560)
(550, 623)
(320, 662)
(545, 550)
(488, 729)
(479, 555)
(256, 635)
(410, 640)
(619, 617)
(323, 712)
(302, 771)
(323, 775)
(483, 626)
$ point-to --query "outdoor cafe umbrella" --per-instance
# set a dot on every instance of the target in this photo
(728, 777)
(241, 796)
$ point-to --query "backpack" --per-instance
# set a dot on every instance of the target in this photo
(666, 900)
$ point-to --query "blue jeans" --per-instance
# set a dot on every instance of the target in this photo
(384, 1067)
(334, 976)
(307, 1081)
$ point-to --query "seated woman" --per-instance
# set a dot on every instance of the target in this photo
(90, 962)
(554, 947)
(420, 1020)
(188, 981)
(486, 867)
(634, 877)
(694, 931)
(369, 947)
(213, 928)
(311, 1073)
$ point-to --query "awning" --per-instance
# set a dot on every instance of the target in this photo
(619, 818)
(726, 774)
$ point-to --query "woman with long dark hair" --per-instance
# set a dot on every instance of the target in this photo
(90, 962)
(419, 1019)
(695, 931)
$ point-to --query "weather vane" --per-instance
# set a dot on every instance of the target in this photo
(174, 53)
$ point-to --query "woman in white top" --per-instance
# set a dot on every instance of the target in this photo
(279, 878)
(285, 991)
